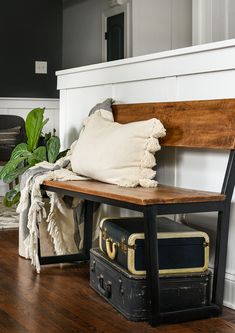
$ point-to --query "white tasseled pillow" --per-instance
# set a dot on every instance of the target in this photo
(121, 154)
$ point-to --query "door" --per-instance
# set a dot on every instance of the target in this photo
(115, 37)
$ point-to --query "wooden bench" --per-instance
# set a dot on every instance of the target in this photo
(206, 124)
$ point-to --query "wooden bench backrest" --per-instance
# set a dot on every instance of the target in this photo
(198, 124)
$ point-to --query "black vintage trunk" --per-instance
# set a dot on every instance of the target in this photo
(181, 249)
(128, 293)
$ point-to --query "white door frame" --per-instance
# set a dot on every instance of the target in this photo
(125, 8)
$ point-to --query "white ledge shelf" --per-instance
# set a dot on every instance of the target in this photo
(195, 59)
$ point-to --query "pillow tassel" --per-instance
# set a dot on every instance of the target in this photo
(153, 145)
(158, 129)
(148, 161)
(148, 182)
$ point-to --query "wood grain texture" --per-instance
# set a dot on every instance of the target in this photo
(198, 124)
(139, 195)
(60, 300)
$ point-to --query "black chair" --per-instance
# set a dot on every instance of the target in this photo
(12, 132)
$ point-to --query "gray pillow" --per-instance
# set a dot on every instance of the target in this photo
(105, 105)
(102, 107)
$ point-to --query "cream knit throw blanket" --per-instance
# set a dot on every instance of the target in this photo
(61, 226)
(32, 212)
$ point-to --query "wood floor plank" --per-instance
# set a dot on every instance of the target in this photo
(59, 300)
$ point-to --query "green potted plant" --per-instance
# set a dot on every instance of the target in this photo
(38, 148)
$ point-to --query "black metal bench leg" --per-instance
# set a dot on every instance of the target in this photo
(88, 223)
(152, 266)
(220, 256)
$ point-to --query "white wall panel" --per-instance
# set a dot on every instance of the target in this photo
(230, 14)
(217, 84)
(162, 89)
(204, 170)
(181, 23)
(62, 119)
(82, 32)
(76, 106)
(151, 26)
(219, 20)
(200, 169)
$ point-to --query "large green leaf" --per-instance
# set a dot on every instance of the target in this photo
(9, 177)
(40, 154)
(37, 156)
(10, 171)
(19, 151)
(53, 148)
(12, 197)
(34, 124)
(11, 166)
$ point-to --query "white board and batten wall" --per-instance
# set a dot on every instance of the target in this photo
(199, 72)
(22, 106)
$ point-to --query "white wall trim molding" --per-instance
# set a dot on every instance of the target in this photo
(229, 288)
(229, 291)
(164, 64)
(21, 103)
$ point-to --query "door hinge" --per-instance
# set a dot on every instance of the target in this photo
(106, 35)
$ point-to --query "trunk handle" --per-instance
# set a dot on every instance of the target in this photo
(112, 248)
(104, 289)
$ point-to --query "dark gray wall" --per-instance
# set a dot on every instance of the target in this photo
(30, 30)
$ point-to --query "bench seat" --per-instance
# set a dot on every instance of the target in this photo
(161, 194)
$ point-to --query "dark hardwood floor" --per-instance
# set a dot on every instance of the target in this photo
(60, 300)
